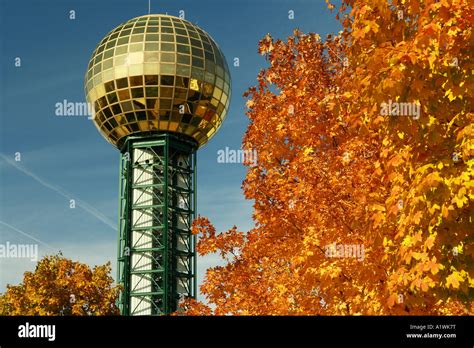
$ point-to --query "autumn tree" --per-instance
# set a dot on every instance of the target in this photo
(364, 139)
(423, 56)
(59, 286)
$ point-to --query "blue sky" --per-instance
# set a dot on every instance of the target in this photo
(65, 157)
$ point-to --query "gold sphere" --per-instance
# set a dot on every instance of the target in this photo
(158, 73)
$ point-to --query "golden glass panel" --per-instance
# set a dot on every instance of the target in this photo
(173, 126)
(135, 58)
(134, 70)
(121, 71)
(167, 69)
(166, 92)
(121, 50)
(215, 102)
(208, 77)
(224, 99)
(152, 57)
(136, 47)
(194, 85)
(124, 95)
(143, 71)
(183, 70)
(120, 60)
(151, 69)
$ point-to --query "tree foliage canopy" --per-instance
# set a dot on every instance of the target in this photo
(60, 286)
(335, 169)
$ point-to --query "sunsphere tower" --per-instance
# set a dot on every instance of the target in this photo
(160, 89)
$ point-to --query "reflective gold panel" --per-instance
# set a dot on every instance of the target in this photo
(158, 73)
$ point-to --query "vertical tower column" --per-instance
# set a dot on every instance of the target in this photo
(156, 251)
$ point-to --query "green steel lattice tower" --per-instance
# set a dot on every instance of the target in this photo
(160, 89)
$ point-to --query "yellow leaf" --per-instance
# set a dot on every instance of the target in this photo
(391, 300)
(432, 266)
(307, 151)
(453, 280)
(450, 95)
(433, 208)
(430, 241)
(445, 211)
(431, 60)
(424, 286)
(378, 207)
(417, 217)
(460, 201)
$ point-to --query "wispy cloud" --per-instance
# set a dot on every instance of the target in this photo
(97, 253)
(84, 205)
(27, 235)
